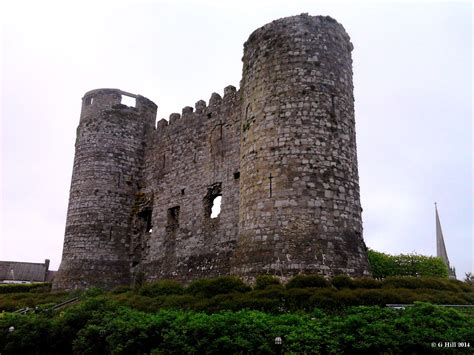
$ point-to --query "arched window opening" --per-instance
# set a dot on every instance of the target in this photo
(213, 200)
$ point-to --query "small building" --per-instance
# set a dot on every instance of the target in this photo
(22, 272)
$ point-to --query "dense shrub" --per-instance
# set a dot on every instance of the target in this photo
(303, 281)
(342, 281)
(384, 265)
(418, 282)
(121, 289)
(161, 288)
(366, 282)
(17, 288)
(213, 295)
(14, 301)
(263, 281)
(99, 327)
(216, 286)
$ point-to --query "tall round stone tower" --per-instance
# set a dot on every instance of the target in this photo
(110, 144)
(299, 194)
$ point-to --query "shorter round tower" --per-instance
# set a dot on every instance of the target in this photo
(109, 156)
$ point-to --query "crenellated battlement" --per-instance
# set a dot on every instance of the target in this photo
(201, 113)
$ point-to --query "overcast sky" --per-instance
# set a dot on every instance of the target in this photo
(413, 92)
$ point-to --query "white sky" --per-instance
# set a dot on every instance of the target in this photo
(413, 90)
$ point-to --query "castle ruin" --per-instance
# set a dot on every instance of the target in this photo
(280, 151)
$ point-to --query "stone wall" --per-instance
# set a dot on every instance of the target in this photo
(280, 151)
(195, 158)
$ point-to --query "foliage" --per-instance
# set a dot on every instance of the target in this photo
(213, 316)
(216, 286)
(33, 287)
(384, 265)
(469, 279)
(161, 288)
(303, 281)
(99, 326)
(342, 281)
(121, 289)
(264, 281)
(13, 301)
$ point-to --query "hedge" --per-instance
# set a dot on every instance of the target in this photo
(100, 326)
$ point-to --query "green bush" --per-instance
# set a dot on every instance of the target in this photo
(17, 288)
(161, 288)
(93, 291)
(342, 281)
(120, 289)
(263, 281)
(300, 299)
(384, 265)
(216, 286)
(366, 282)
(421, 282)
(99, 326)
(14, 301)
(304, 281)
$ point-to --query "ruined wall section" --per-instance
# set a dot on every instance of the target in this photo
(110, 146)
(299, 202)
(195, 158)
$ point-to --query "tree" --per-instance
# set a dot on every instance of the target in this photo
(384, 265)
(469, 279)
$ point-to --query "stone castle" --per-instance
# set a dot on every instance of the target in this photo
(280, 151)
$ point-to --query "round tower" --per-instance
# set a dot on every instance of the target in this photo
(110, 145)
(299, 194)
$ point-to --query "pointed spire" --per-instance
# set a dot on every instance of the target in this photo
(440, 246)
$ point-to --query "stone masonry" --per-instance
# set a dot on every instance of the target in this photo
(281, 152)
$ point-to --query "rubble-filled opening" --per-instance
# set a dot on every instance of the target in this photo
(212, 201)
(173, 217)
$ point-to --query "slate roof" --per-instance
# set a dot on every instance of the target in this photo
(20, 271)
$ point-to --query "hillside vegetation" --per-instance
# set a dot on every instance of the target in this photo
(310, 313)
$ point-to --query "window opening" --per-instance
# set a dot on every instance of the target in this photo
(145, 216)
(128, 101)
(213, 201)
(173, 218)
(89, 100)
(333, 106)
(237, 175)
(216, 207)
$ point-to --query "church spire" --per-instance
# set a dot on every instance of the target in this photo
(441, 247)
